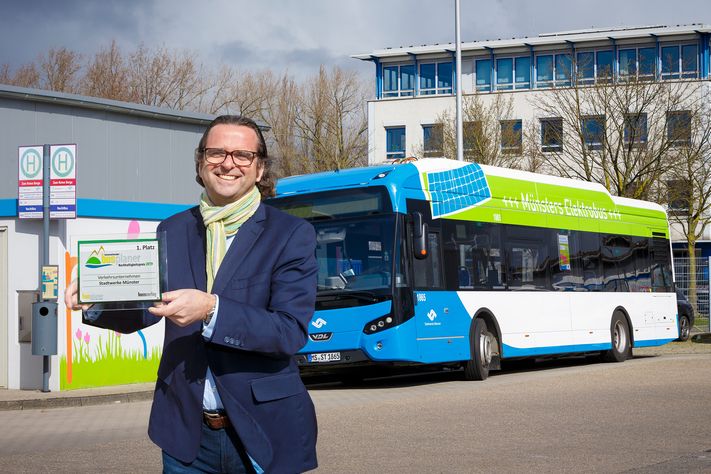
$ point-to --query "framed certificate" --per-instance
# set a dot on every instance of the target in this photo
(118, 271)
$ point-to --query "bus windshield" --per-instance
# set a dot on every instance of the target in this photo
(356, 255)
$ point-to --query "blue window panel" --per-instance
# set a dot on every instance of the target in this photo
(635, 131)
(689, 61)
(593, 132)
(428, 75)
(504, 74)
(523, 73)
(544, 71)
(586, 67)
(552, 135)
(432, 140)
(444, 78)
(407, 80)
(679, 128)
(605, 66)
(628, 62)
(390, 81)
(483, 75)
(670, 62)
(647, 57)
(395, 142)
(563, 69)
(511, 136)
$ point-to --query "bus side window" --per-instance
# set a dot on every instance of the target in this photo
(565, 261)
(527, 257)
(428, 272)
(590, 261)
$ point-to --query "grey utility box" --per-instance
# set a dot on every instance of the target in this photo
(44, 328)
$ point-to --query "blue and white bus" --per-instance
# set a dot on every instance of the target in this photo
(446, 263)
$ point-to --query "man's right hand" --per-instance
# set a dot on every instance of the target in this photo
(71, 299)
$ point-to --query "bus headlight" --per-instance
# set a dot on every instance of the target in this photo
(377, 325)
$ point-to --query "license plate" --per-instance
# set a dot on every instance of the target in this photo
(325, 357)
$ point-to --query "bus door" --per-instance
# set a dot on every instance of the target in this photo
(436, 310)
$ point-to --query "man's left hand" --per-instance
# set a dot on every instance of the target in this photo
(184, 307)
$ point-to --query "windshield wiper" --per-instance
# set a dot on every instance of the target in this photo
(345, 293)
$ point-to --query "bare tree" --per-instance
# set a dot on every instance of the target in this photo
(490, 134)
(106, 75)
(26, 75)
(614, 131)
(332, 121)
(59, 69)
(687, 186)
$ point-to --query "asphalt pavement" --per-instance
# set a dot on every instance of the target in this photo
(646, 415)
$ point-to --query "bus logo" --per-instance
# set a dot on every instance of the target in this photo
(318, 323)
(432, 315)
(322, 336)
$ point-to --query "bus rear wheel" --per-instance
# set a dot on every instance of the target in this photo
(620, 335)
(477, 367)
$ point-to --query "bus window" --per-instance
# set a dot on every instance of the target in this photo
(617, 262)
(590, 261)
(472, 256)
(428, 272)
(527, 258)
(643, 282)
(565, 261)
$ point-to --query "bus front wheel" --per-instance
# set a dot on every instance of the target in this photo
(477, 367)
(620, 335)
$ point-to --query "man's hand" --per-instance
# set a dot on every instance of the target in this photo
(71, 299)
(184, 307)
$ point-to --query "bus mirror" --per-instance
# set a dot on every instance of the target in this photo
(419, 233)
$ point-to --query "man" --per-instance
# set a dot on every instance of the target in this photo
(242, 281)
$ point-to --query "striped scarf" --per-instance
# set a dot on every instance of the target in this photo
(221, 222)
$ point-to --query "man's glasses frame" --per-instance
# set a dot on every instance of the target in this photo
(217, 156)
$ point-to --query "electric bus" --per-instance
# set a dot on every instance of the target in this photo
(452, 264)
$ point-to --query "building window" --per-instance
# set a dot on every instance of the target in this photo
(552, 135)
(635, 131)
(395, 142)
(563, 70)
(680, 61)
(483, 75)
(436, 78)
(593, 132)
(638, 62)
(586, 68)
(679, 195)
(604, 68)
(544, 71)
(433, 140)
(679, 128)
(444, 78)
(511, 137)
(399, 81)
(472, 139)
(513, 73)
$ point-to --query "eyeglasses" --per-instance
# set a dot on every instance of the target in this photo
(240, 157)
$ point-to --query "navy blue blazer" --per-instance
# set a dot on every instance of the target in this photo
(267, 289)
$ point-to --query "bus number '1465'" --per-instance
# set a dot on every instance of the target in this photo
(421, 297)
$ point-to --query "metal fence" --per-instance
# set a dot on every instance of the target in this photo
(684, 278)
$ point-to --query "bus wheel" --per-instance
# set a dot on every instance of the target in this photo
(684, 328)
(620, 335)
(477, 367)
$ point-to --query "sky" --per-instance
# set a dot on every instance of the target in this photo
(297, 36)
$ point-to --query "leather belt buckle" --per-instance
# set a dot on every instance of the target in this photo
(216, 420)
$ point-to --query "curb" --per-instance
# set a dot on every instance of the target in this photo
(67, 402)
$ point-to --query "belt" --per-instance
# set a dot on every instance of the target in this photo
(216, 420)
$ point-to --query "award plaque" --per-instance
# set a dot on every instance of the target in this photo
(119, 271)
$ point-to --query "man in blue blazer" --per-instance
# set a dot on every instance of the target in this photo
(241, 292)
